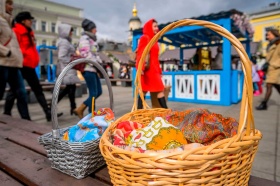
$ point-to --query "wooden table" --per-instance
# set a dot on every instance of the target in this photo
(23, 161)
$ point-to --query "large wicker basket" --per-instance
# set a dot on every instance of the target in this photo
(75, 159)
(227, 162)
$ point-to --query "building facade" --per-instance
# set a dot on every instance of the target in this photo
(48, 15)
(262, 20)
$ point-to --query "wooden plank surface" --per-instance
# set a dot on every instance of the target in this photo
(34, 169)
(22, 137)
(103, 175)
(24, 124)
(6, 180)
(255, 181)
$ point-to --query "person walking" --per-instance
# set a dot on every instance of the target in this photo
(26, 39)
(88, 48)
(217, 64)
(273, 72)
(255, 76)
(11, 60)
(151, 77)
(65, 51)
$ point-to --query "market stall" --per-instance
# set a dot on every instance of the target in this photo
(220, 87)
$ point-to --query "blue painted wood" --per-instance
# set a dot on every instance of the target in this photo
(51, 71)
(192, 28)
(194, 35)
(133, 80)
(241, 86)
(38, 71)
(135, 42)
(173, 86)
(226, 72)
(179, 39)
(195, 74)
(51, 57)
(188, 39)
(234, 86)
(234, 78)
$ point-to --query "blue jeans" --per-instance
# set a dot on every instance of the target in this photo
(255, 86)
(94, 88)
(13, 76)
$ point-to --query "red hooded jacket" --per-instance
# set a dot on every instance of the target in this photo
(151, 79)
(30, 54)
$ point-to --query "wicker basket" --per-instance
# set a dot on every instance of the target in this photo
(227, 162)
(75, 159)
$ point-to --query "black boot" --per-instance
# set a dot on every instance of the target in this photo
(9, 103)
(162, 102)
(49, 115)
(47, 108)
(140, 103)
(262, 106)
(42, 101)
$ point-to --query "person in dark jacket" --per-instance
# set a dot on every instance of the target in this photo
(25, 37)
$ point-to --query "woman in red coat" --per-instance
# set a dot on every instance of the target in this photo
(151, 76)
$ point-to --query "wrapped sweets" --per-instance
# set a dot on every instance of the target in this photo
(158, 135)
(202, 126)
(90, 127)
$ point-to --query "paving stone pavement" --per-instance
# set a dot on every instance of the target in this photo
(267, 161)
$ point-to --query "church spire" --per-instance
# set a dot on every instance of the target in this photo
(134, 10)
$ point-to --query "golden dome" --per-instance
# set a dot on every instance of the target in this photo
(134, 10)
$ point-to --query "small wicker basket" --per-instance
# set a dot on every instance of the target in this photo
(75, 159)
(227, 162)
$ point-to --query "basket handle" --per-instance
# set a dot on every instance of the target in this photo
(55, 126)
(246, 115)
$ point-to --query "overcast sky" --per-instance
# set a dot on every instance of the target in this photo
(112, 16)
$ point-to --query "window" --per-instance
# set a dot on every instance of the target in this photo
(44, 42)
(53, 27)
(44, 26)
(34, 24)
(54, 43)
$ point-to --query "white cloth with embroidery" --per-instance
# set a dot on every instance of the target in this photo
(158, 135)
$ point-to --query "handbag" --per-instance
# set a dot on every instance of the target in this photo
(8, 41)
(265, 66)
(81, 66)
